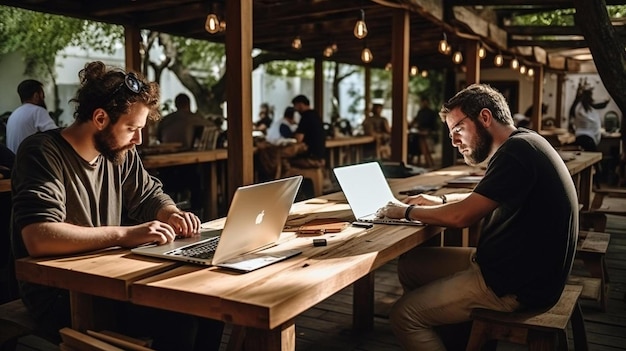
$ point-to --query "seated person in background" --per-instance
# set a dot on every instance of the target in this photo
(426, 119)
(31, 117)
(526, 183)
(179, 126)
(73, 186)
(311, 132)
(282, 131)
(266, 116)
(378, 126)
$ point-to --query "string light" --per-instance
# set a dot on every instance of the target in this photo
(457, 57)
(482, 52)
(388, 66)
(414, 71)
(515, 63)
(360, 28)
(444, 47)
(531, 72)
(328, 52)
(366, 55)
(296, 43)
(522, 69)
(212, 24)
(424, 74)
(498, 60)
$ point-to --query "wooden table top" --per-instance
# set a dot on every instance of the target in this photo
(265, 298)
(5, 185)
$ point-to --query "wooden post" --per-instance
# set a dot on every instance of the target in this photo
(400, 82)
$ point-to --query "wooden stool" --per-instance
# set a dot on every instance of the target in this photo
(15, 322)
(591, 249)
(315, 174)
(540, 330)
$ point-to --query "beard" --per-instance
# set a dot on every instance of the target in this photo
(482, 148)
(105, 144)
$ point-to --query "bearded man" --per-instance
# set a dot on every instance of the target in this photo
(84, 188)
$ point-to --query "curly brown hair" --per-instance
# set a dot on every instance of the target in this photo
(103, 87)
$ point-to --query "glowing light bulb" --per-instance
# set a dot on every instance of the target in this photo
(413, 71)
(443, 47)
(212, 24)
(296, 43)
(515, 63)
(522, 69)
(366, 55)
(482, 53)
(498, 60)
(531, 72)
(424, 74)
(328, 52)
(360, 28)
(457, 57)
(388, 66)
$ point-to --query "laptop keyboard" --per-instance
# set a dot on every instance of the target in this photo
(203, 250)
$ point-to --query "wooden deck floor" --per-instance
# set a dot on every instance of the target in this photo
(327, 326)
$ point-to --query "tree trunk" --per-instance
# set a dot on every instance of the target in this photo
(607, 50)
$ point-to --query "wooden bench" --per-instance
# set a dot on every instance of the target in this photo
(15, 322)
(540, 330)
(591, 249)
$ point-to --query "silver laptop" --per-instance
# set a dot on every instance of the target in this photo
(366, 189)
(255, 220)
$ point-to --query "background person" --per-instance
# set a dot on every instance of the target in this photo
(378, 126)
(83, 188)
(283, 130)
(311, 132)
(31, 117)
(526, 182)
(179, 126)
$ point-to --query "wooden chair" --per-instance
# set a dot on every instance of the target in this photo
(591, 249)
(539, 330)
(315, 174)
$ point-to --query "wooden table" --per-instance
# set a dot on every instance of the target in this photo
(5, 185)
(348, 150)
(262, 304)
(208, 158)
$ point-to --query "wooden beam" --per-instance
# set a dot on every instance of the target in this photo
(400, 83)
(318, 88)
(472, 62)
(239, 94)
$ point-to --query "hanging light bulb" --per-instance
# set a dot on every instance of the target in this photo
(515, 63)
(498, 60)
(222, 26)
(531, 72)
(388, 66)
(334, 47)
(212, 24)
(444, 47)
(328, 51)
(414, 71)
(296, 43)
(366, 55)
(360, 28)
(424, 74)
(482, 52)
(457, 57)
(522, 69)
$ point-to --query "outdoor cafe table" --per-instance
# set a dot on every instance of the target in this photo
(262, 304)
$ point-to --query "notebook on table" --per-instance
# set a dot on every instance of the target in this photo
(366, 189)
(254, 222)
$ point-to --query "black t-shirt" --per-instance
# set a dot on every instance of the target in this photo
(314, 136)
(524, 242)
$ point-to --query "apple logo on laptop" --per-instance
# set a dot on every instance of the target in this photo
(259, 217)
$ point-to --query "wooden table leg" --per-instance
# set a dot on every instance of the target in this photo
(282, 338)
(585, 187)
(89, 312)
(363, 304)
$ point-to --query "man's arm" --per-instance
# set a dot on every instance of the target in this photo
(47, 238)
(459, 214)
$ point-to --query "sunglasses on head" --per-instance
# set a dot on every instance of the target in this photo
(132, 82)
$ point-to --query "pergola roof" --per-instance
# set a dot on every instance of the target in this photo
(320, 23)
